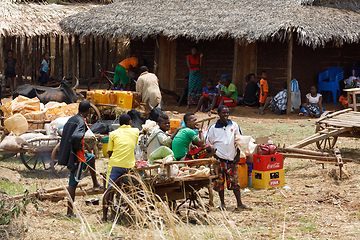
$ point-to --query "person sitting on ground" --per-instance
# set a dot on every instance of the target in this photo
(122, 72)
(186, 136)
(278, 103)
(344, 101)
(222, 136)
(160, 137)
(148, 87)
(72, 153)
(121, 148)
(208, 95)
(250, 98)
(228, 94)
(313, 105)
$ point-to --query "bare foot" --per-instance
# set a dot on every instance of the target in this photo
(222, 207)
(243, 207)
(188, 107)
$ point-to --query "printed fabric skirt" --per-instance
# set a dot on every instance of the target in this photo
(312, 109)
(194, 87)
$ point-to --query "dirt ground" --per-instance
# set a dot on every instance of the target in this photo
(314, 204)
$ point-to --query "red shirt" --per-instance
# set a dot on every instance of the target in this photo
(194, 61)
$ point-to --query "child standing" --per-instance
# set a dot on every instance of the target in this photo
(10, 67)
(264, 89)
(44, 68)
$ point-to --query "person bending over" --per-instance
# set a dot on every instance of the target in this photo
(121, 148)
(72, 153)
(148, 87)
(186, 136)
(222, 136)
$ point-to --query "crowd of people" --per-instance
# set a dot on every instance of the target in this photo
(186, 143)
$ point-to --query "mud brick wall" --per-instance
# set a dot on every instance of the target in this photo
(272, 58)
(144, 50)
(308, 63)
(218, 59)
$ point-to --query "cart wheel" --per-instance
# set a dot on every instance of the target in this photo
(128, 196)
(34, 160)
(54, 159)
(94, 114)
(327, 143)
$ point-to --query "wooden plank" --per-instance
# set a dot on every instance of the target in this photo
(289, 73)
(321, 137)
(156, 55)
(33, 63)
(70, 57)
(320, 158)
(76, 57)
(334, 114)
(303, 151)
(235, 62)
(25, 57)
(173, 45)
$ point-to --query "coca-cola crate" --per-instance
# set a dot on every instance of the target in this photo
(268, 162)
(268, 179)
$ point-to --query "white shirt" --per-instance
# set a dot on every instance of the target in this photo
(223, 139)
(148, 86)
(313, 100)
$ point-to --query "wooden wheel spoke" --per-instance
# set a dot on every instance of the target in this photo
(37, 158)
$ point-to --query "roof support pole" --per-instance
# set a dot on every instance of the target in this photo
(289, 73)
(235, 63)
(156, 55)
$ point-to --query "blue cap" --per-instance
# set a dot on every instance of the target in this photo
(225, 76)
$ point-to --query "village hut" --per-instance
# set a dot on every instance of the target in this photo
(287, 38)
(31, 29)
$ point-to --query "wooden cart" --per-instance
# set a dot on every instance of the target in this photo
(164, 187)
(344, 123)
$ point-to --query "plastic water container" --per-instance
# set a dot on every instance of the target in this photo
(97, 96)
(243, 174)
(112, 98)
(124, 99)
(104, 143)
(174, 124)
(90, 96)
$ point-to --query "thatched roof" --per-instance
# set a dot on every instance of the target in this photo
(30, 19)
(244, 20)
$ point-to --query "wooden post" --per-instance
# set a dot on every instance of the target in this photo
(61, 60)
(93, 61)
(25, 58)
(289, 72)
(20, 60)
(70, 57)
(76, 52)
(235, 63)
(156, 55)
(33, 63)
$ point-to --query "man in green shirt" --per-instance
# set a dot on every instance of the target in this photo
(228, 95)
(186, 136)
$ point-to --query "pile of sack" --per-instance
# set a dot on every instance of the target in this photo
(32, 109)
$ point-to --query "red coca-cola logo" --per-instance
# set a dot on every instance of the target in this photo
(273, 183)
(274, 165)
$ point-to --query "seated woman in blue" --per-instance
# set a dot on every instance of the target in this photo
(208, 95)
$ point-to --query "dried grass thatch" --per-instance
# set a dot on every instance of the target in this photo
(31, 19)
(245, 20)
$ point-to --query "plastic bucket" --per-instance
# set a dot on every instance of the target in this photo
(104, 143)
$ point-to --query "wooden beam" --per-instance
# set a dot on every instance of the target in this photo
(156, 55)
(321, 137)
(289, 73)
(76, 57)
(235, 63)
(33, 63)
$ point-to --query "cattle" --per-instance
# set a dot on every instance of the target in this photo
(63, 93)
(139, 118)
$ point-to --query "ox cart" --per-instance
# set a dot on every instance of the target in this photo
(344, 123)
